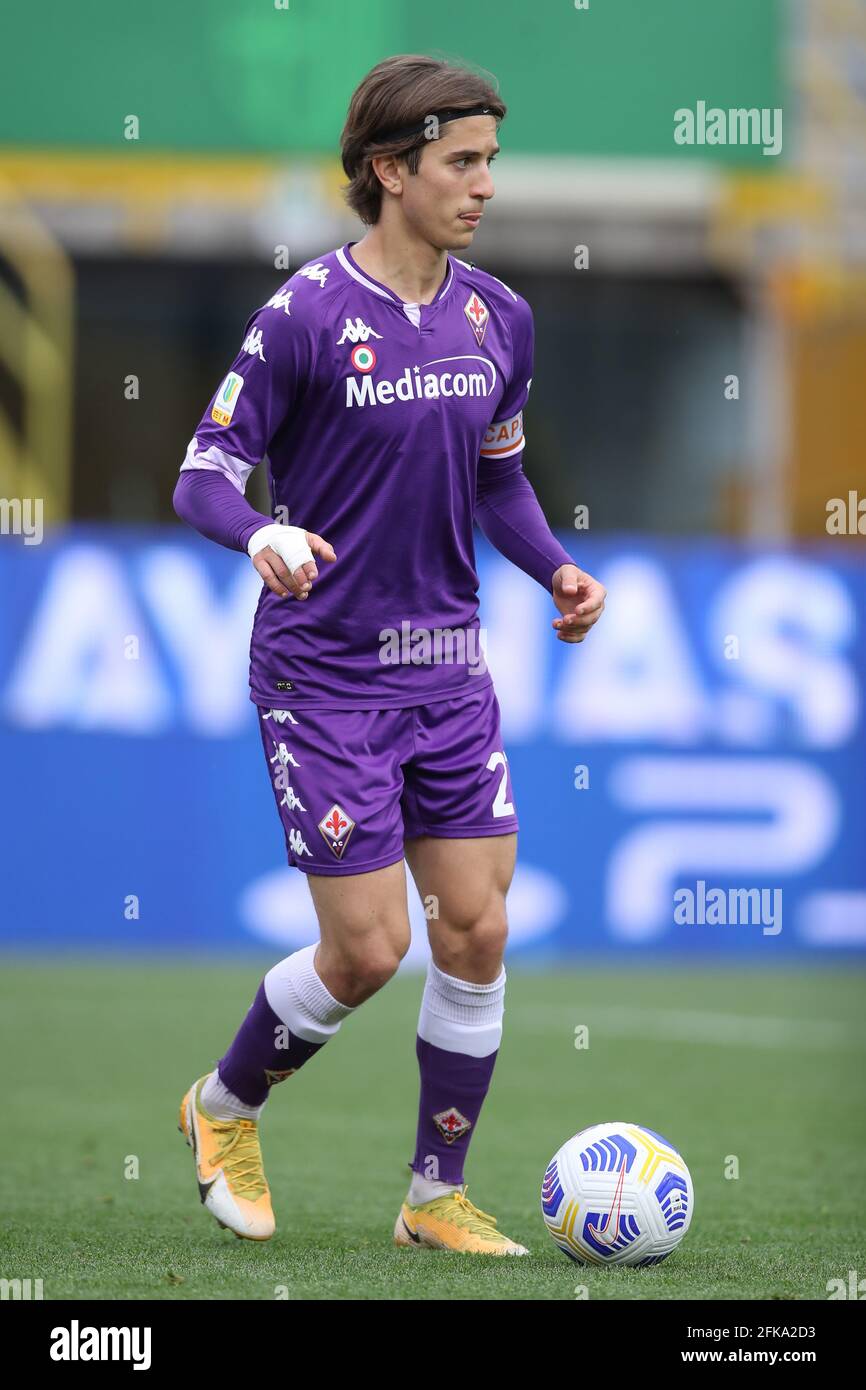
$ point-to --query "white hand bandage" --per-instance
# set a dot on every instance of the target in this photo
(290, 543)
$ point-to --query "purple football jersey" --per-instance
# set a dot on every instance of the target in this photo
(373, 415)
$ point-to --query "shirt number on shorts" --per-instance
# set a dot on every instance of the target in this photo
(501, 807)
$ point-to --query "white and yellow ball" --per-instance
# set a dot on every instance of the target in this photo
(617, 1194)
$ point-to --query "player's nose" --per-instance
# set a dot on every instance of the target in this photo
(482, 186)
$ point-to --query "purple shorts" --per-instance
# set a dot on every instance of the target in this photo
(352, 785)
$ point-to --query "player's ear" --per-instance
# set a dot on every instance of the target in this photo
(387, 170)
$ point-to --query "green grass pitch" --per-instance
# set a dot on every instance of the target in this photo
(766, 1065)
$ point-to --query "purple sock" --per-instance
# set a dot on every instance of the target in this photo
(263, 1053)
(453, 1087)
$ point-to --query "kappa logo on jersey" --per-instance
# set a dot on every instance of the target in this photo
(281, 301)
(317, 272)
(451, 1124)
(478, 315)
(357, 332)
(411, 385)
(227, 398)
(253, 343)
(336, 827)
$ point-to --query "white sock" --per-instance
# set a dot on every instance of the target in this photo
(223, 1104)
(460, 1016)
(300, 999)
(425, 1189)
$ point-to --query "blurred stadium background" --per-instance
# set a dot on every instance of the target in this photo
(698, 400)
(129, 267)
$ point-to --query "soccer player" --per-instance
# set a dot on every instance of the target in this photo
(385, 383)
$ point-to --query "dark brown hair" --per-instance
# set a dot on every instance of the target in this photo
(402, 91)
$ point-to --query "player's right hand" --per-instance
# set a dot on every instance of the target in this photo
(283, 556)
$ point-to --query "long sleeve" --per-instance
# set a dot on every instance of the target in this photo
(253, 402)
(206, 500)
(506, 507)
(509, 514)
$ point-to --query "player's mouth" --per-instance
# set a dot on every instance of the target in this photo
(471, 218)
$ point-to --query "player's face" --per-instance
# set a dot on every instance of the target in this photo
(445, 200)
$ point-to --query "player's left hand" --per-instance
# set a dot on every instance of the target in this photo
(580, 600)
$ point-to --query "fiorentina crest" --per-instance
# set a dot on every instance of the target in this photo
(451, 1124)
(336, 826)
(478, 315)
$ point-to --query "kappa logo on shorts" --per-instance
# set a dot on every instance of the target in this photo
(451, 1124)
(336, 826)
(298, 845)
(280, 716)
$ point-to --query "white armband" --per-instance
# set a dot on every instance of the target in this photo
(290, 543)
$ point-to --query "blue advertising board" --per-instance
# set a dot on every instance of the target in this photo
(690, 779)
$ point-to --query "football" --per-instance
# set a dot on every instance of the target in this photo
(617, 1194)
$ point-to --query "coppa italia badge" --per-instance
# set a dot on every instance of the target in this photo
(363, 358)
(336, 826)
(478, 315)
